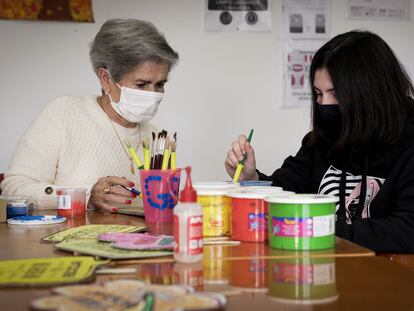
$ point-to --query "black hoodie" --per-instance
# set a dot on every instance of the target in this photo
(384, 220)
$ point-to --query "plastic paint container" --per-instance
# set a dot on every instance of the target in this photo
(302, 221)
(216, 211)
(17, 205)
(249, 214)
(71, 202)
(303, 280)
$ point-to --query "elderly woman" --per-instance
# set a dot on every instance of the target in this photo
(80, 141)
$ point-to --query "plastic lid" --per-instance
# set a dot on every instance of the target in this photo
(266, 189)
(302, 198)
(188, 194)
(240, 194)
(255, 183)
(215, 185)
(212, 191)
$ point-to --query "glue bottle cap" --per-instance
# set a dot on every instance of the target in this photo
(188, 194)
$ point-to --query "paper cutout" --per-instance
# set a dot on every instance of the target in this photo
(105, 250)
(139, 241)
(89, 232)
(47, 271)
(127, 295)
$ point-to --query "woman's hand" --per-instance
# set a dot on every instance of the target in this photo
(108, 192)
(238, 148)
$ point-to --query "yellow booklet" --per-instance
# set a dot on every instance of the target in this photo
(90, 232)
(47, 271)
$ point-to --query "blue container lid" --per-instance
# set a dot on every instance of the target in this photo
(250, 183)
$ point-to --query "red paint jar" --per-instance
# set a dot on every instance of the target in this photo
(249, 212)
(71, 202)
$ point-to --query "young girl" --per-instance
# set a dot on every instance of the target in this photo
(361, 147)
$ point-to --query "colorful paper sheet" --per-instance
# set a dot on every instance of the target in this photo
(105, 250)
(129, 295)
(89, 232)
(47, 271)
(139, 241)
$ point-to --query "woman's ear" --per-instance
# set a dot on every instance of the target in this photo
(104, 79)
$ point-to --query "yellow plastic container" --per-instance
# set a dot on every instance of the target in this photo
(216, 208)
(216, 212)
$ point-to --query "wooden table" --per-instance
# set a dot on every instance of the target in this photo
(251, 275)
(341, 283)
(24, 242)
(406, 260)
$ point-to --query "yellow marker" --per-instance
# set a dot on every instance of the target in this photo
(240, 165)
(239, 169)
(173, 160)
(147, 158)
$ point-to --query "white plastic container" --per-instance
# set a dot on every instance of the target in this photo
(188, 225)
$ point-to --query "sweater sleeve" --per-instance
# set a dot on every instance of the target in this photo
(394, 232)
(295, 173)
(35, 160)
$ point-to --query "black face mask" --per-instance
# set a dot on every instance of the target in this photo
(331, 119)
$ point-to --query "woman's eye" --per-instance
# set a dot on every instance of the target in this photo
(141, 85)
(160, 86)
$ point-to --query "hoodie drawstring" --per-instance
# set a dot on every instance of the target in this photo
(342, 194)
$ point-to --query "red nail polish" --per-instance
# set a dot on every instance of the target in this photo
(131, 184)
(114, 209)
(133, 195)
(128, 201)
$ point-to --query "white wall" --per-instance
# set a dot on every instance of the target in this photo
(225, 83)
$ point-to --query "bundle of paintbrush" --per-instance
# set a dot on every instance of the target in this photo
(160, 153)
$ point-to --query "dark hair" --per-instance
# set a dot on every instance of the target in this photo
(372, 89)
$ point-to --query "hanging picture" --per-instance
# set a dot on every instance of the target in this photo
(237, 15)
(51, 10)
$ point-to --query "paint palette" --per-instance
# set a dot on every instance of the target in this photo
(36, 220)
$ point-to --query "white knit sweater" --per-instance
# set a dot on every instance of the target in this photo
(71, 144)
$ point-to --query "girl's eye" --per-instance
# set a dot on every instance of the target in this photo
(140, 85)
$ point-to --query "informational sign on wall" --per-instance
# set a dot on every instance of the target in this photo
(383, 10)
(237, 15)
(306, 26)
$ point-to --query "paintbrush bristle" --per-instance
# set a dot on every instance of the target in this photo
(168, 142)
(127, 142)
(173, 146)
(153, 136)
(175, 136)
(145, 143)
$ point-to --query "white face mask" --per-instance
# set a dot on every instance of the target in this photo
(136, 105)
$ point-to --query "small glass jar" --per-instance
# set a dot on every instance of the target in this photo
(17, 205)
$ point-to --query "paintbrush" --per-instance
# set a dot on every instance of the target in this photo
(157, 148)
(152, 150)
(173, 159)
(166, 154)
(134, 155)
(240, 165)
(161, 149)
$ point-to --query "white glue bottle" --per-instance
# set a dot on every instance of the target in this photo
(188, 225)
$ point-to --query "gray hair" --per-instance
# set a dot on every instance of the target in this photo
(123, 44)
